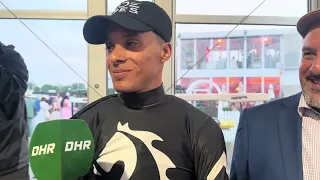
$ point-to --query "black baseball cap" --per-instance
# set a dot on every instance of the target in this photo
(308, 22)
(141, 16)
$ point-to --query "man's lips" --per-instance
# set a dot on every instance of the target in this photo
(120, 70)
(314, 83)
(119, 73)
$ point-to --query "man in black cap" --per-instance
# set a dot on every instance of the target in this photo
(280, 140)
(13, 118)
(142, 133)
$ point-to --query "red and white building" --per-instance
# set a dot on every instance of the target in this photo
(251, 61)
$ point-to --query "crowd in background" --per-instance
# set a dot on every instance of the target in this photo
(46, 108)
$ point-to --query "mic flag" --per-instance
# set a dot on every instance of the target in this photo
(61, 150)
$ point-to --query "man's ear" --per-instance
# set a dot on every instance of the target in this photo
(166, 52)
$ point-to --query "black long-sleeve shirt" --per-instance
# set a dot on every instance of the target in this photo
(13, 120)
(153, 136)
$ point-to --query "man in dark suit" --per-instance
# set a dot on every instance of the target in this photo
(280, 140)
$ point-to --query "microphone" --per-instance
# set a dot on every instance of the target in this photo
(61, 150)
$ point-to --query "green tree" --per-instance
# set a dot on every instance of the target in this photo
(36, 89)
(57, 88)
(46, 88)
(78, 86)
(66, 88)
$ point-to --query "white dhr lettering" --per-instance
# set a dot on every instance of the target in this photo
(77, 145)
(43, 149)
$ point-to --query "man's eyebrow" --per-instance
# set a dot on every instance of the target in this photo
(307, 48)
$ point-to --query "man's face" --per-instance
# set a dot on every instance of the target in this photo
(135, 60)
(309, 71)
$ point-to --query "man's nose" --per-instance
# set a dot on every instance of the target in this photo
(315, 68)
(117, 55)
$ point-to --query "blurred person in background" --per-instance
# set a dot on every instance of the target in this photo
(30, 110)
(49, 100)
(37, 106)
(13, 116)
(66, 106)
(43, 114)
(55, 110)
(45, 107)
(59, 99)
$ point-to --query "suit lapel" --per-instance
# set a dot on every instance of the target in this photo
(290, 136)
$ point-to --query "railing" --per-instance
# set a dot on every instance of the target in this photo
(229, 121)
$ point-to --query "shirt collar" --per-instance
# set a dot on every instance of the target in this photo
(145, 99)
(304, 110)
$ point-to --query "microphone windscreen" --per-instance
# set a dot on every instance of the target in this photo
(61, 150)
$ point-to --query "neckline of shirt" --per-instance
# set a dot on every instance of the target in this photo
(144, 99)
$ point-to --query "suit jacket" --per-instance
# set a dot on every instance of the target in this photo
(268, 143)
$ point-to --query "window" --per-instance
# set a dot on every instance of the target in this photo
(253, 85)
(254, 50)
(236, 53)
(292, 45)
(112, 4)
(187, 53)
(219, 85)
(249, 60)
(219, 53)
(203, 86)
(272, 52)
(196, 85)
(242, 8)
(70, 5)
(236, 85)
(272, 87)
(247, 47)
(202, 53)
(48, 74)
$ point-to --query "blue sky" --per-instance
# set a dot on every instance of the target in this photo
(45, 67)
